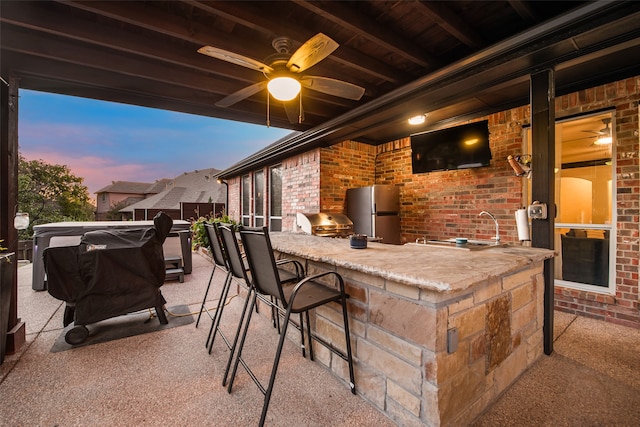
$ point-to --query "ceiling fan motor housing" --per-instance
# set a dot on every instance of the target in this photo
(282, 44)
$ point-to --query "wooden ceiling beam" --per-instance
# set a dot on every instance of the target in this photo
(33, 16)
(525, 12)
(154, 19)
(442, 15)
(83, 55)
(341, 14)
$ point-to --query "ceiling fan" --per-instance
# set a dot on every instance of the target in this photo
(282, 71)
(603, 135)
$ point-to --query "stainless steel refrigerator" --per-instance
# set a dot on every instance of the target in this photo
(374, 211)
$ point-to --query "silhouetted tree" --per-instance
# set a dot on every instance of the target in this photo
(51, 193)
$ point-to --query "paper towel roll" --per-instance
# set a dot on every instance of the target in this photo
(522, 222)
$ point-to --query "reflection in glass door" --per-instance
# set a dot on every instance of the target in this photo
(275, 198)
(258, 199)
(584, 183)
(246, 200)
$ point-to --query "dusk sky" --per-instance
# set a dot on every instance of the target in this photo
(104, 141)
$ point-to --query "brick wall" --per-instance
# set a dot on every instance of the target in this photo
(349, 164)
(300, 187)
(623, 307)
(446, 204)
(233, 210)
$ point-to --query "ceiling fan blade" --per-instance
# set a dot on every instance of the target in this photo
(294, 111)
(311, 52)
(241, 94)
(235, 58)
(333, 87)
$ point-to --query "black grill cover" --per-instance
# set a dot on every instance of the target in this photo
(112, 272)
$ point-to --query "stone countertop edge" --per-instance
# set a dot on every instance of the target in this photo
(429, 268)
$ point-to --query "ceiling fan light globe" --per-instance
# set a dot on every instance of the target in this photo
(603, 140)
(284, 88)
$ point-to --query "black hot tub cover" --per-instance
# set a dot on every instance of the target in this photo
(111, 273)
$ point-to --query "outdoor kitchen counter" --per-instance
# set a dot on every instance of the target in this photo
(437, 268)
(438, 333)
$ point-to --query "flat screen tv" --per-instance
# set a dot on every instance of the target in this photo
(460, 147)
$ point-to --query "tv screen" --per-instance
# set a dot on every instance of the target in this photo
(460, 147)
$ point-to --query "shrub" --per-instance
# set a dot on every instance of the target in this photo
(199, 234)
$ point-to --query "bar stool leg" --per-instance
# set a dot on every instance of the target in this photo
(274, 370)
(218, 315)
(345, 317)
(235, 340)
(248, 312)
(202, 307)
(309, 337)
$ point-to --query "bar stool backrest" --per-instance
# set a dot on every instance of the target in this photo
(217, 250)
(234, 256)
(262, 263)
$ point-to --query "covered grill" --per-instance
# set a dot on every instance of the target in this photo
(325, 224)
(110, 273)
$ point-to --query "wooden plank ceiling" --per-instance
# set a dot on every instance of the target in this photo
(145, 53)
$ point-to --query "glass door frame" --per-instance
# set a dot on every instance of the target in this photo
(611, 227)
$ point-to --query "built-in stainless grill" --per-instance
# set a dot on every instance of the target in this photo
(325, 224)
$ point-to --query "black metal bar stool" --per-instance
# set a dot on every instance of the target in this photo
(305, 295)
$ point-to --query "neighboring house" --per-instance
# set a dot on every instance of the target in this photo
(190, 195)
(126, 193)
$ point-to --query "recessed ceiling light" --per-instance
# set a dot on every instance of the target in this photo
(417, 120)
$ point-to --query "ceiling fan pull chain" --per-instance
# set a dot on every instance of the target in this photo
(300, 109)
(268, 122)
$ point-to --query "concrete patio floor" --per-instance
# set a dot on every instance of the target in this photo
(167, 377)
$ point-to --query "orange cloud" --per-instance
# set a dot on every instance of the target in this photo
(98, 172)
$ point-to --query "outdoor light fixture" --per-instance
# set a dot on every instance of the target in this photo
(21, 221)
(417, 120)
(284, 87)
(226, 205)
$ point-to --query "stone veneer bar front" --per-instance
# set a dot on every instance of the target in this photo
(404, 303)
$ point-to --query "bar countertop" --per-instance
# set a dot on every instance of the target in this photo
(439, 269)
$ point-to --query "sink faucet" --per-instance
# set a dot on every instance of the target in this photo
(494, 220)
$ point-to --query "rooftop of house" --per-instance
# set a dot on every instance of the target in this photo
(129, 187)
(199, 186)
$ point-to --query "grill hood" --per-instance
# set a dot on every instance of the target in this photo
(325, 224)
